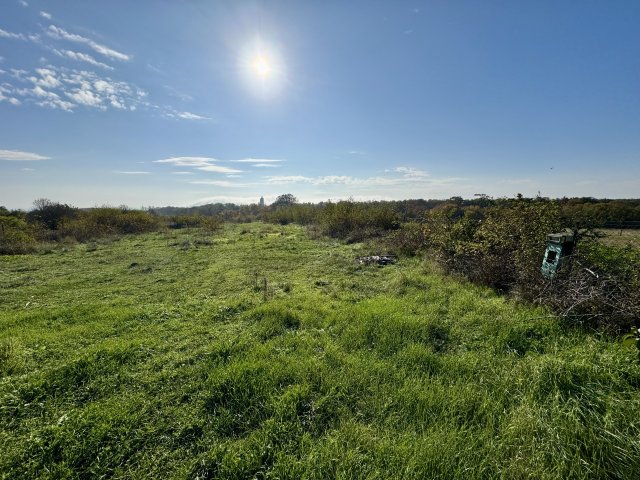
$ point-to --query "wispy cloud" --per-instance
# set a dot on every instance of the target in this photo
(66, 89)
(47, 78)
(258, 160)
(186, 116)
(20, 156)
(218, 183)
(182, 173)
(218, 169)
(191, 116)
(413, 177)
(4, 98)
(125, 172)
(261, 162)
(61, 34)
(171, 90)
(15, 36)
(410, 172)
(205, 164)
(23, 3)
(86, 96)
(49, 99)
(266, 165)
(46, 15)
(286, 179)
(187, 161)
(81, 57)
(356, 152)
(228, 199)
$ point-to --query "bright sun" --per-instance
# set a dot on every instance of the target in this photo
(261, 66)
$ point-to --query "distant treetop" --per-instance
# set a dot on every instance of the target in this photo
(283, 200)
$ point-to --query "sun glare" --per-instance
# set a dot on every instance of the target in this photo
(263, 69)
(261, 66)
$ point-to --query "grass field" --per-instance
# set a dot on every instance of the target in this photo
(164, 356)
(621, 238)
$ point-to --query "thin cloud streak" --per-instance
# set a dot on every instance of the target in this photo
(61, 34)
(187, 161)
(218, 183)
(81, 57)
(191, 116)
(171, 113)
(15, 36)
(258, 160)
(205, 164)
(20, 156)
(218, 169)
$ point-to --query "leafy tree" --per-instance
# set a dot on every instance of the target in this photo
(285, 200)
(50, 214)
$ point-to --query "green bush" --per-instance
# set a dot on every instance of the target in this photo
(16, 236)
(355, 221)
(207, 223)
(105, 221)
(302, 214)
(50, 215)
(407, 240)
(503, 246)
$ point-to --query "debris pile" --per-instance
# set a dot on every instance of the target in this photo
(377, 259)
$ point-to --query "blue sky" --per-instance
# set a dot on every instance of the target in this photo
(152, 103)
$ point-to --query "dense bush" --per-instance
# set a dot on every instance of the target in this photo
(502, 246)
(407, 240)
(103, 221)
(50, 215)
(207, 223)
(16, 236)
(599, 287)
(302, 214)
(355, 221)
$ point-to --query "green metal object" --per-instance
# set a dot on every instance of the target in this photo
(559, 245)
(632, 340)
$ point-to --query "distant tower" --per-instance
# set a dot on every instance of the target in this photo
(261, 203)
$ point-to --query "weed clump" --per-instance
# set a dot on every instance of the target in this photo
(11, 360)
(273, 321)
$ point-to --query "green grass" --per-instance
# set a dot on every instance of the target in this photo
(163, 356)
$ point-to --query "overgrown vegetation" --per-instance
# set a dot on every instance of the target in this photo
(140, 357)
(49, 221)
(502, 247)
(493, 242)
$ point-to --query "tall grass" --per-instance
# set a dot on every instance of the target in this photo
(187, 371)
